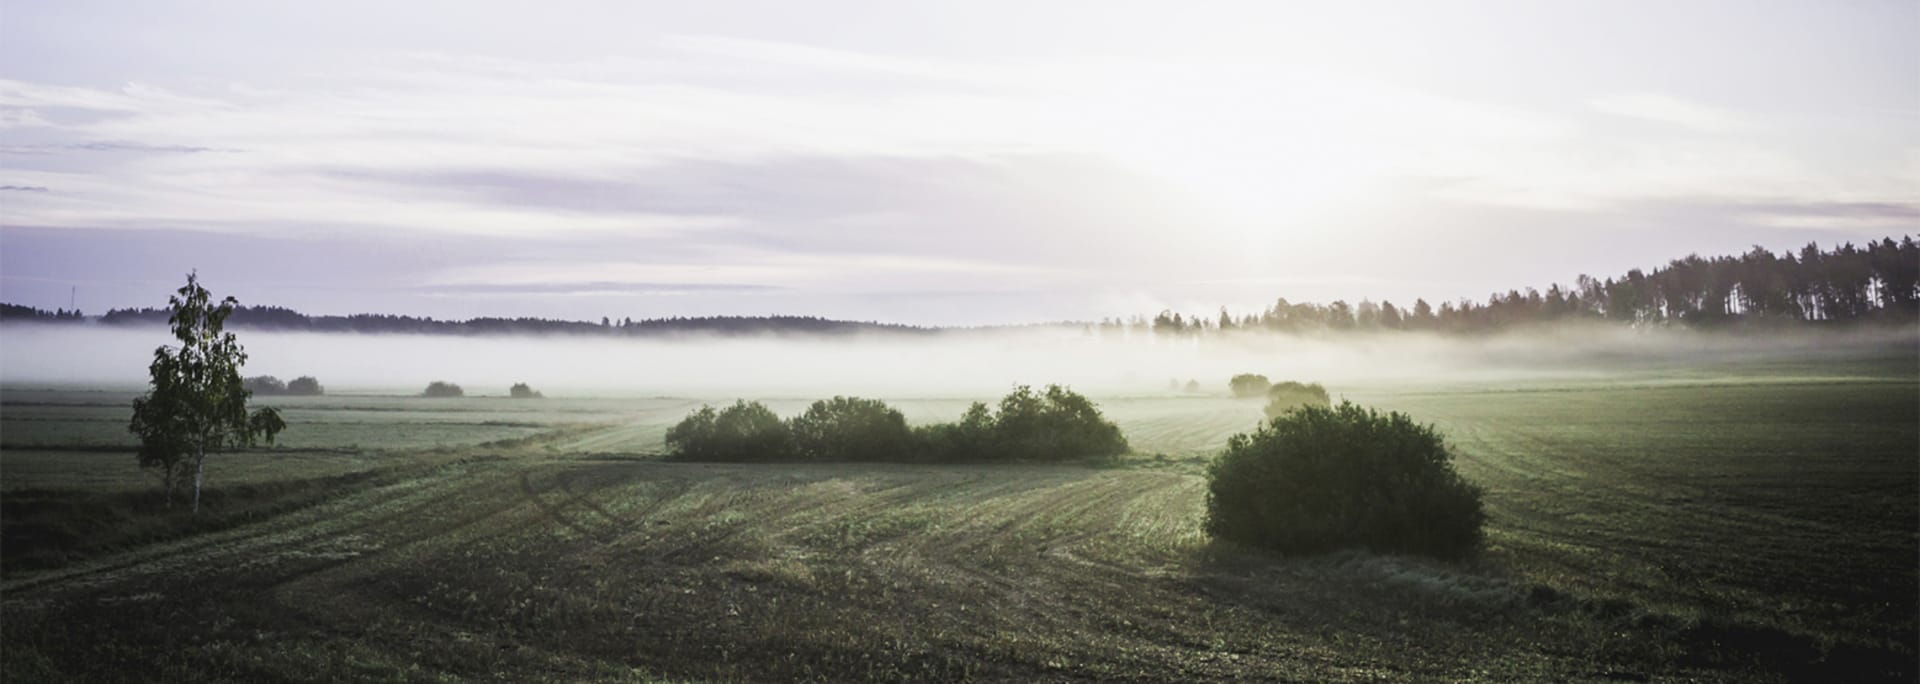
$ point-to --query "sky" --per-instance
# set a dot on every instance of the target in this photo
(947, 164)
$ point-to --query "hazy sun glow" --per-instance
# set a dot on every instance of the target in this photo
(1096, 159)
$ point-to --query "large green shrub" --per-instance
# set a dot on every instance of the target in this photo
(745, 431)
(1320, 478)
(1290, 395)
(1056, 425)
(851, 429)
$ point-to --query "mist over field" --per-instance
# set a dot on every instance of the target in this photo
(951, 364)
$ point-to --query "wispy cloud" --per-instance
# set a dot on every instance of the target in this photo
(1675, 111)
(687, 157)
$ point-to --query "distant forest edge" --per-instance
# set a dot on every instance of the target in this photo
(1877, 282)
(279, 318)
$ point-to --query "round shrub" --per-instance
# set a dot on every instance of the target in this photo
(1248, 386)
(745, 431)
(265, 385)
(443, 389)
(1058, 424)
(305, 385)
(851, 429)
(1320, 478)
(1290, 395)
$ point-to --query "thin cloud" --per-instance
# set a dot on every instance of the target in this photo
(1675, 111)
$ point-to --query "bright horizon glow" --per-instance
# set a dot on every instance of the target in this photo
(997, 163)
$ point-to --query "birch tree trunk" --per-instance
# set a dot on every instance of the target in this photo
(199, 463)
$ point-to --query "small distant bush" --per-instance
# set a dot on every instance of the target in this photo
(521, 390)
(745, 431)
(264, 385)
(1193, 386)
(443, 389)
(1290, 395)
(1249, 386)
(1322, 478)
(851, 429)
(305, 385)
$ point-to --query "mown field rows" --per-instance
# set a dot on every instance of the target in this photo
(1705, 529)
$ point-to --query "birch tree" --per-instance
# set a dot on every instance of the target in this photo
(197, 403)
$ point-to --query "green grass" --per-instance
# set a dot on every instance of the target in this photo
(1708, 525)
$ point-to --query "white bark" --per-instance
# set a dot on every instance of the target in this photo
(199, 463)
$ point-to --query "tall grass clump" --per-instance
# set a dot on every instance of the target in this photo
(1290, 395)
(1321, 478)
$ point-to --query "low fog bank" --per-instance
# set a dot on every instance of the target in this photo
(961, 364)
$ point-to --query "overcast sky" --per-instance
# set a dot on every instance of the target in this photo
(971, 162)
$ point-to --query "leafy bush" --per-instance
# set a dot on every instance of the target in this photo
(443, 389)
(851, 429)
(1057, 425)
(1291, 395)
(1249, 386)
(971, 439)
(521, 390)
(305, 385)
(745, 431)
(1321, 478)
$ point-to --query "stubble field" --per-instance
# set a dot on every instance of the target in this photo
(1735, 524)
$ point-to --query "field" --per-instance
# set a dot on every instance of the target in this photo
(1739, 523)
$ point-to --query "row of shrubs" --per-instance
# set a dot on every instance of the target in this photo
(441, 389)
(1282, 396)
(1056, 424)
(267, 385)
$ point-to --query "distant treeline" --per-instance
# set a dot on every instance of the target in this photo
(1878, 281)
(16, 312)
(280, 318)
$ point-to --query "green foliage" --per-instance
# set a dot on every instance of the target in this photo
(745, 431)
(1056, 425)
(1290, 395)
(1249, 385)
(1320, 478)
(521, 390)
(971, 439)
(197, 402)
(305, 385)
(851, 429)
(439, 389)
(267, 423)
